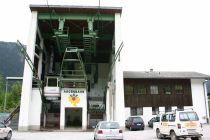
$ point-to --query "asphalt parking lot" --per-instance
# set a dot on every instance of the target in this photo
(147, 134)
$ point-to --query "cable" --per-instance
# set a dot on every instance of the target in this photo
(51, 27)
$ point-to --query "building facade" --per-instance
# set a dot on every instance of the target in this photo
(73, 74)
(150, 93)
(71, 66)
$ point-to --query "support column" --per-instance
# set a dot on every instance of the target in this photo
(36, 102)
(119, 105)
(27, 77)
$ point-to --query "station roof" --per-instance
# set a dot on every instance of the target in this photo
(164, 75)
(75, 9)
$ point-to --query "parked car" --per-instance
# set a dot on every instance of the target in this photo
(178, 124)
(5, 132)
(150, 122)
(134, 123)
(109, 130)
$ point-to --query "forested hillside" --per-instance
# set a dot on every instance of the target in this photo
(11, 60)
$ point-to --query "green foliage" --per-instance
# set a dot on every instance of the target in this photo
(1, 92)
(13, 96)
(1, 84)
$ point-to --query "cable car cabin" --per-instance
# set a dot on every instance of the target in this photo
(52, 88)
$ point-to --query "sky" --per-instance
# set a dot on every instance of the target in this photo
(166, 35)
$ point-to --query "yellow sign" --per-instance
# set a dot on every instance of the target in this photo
(74, 99)
(191, 125)
(165, 124)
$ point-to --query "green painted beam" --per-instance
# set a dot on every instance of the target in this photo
(102, 17)
(80, 37)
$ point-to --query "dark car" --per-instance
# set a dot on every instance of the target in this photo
(134, 123)
(150, 122)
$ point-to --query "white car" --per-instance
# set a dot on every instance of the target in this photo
(5, 132)
(108, 130)
(178, 124)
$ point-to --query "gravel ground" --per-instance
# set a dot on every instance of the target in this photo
(147, 134)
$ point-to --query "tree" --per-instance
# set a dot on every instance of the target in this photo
(1, 93)
(13, 98)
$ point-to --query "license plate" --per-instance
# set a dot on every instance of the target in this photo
(139, 124)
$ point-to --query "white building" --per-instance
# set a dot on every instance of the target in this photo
(150, 92)
(73, 75)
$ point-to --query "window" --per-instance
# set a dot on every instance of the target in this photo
(167, 109)
(178, 89)
(136, 111)
(154, 89)
(2, 125)
(155, 110)
(167, 90)
(140, 89)
(188, 116)
(110, 125)
(164, 118)
(128, 89)
(52, 82)
(133, 112)
(172, 117)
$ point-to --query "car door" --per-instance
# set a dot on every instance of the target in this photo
(164, 124)
(3, 132)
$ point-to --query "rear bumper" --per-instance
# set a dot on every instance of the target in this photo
(191, 136)
(102, 137)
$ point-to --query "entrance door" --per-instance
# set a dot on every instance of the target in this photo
(73, 117)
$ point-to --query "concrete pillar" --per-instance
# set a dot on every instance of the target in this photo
(84, 114)
(107, 105)
(119, 109)
(27, 77)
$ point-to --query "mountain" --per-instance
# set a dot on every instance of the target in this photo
(11, 60)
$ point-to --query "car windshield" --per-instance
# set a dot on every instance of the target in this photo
(137, 119)
(110, 125)
(188, 116)
(3, 116)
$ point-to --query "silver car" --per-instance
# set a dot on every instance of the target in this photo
(5, 132)
(108, 130)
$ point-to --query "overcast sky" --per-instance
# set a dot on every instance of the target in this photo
(166, 35)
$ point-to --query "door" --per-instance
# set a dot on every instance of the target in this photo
(73, 117)
(2, 130)
(164, 124)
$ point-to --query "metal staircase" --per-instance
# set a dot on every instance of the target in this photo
(12, 114)
(72, 73)
(36, 78)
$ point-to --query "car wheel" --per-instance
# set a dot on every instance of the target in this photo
(158, 134)
(173, 136)
(196, 138)
(9, 135)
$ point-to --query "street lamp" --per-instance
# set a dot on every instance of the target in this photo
(5, 95)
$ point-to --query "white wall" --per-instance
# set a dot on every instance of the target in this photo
(65, 94)
(35, 110)
(119, 104)
(24, 116)
(199, 98)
